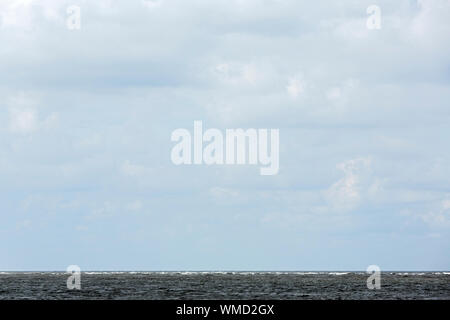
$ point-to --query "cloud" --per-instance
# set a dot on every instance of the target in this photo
(334, 93)
(136, 205)
(134, 170)
(225, 196)
(151, 4)
(26, 121)
(86, 118)
(296, 87)
(15, 13)
(238, 74)
(22, 121)
(431, 18)
(348, 192)
(438, 217)
(105, 211)
(26, 14)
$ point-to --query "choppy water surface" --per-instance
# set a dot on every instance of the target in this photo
(225, 285)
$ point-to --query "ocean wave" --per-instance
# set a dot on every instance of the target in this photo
(338, 273)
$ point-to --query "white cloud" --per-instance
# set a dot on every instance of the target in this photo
(136, 205)
(223, 194)
(104, 211)
(23, 14)
(334, 93)
(237, 73)
(26, 120)
(134, 170)
(431, 19)
(296, 87)
(343, 91)
(349, 29)
(438, 217)
(15, 13)
(23, 121)
(348, 192)
(151, 4)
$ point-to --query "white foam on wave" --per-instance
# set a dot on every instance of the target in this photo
(256, 273)
(409, 273)
(105, 272)
(338, 273)
(305, 273)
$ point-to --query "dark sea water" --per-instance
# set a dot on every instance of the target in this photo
(225, 285)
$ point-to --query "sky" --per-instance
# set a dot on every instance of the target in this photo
(86, 117)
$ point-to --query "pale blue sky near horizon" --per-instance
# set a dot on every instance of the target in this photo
(86, 117)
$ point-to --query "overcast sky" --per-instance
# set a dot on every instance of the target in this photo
(86, 118)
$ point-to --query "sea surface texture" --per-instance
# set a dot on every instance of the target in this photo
(224, 285)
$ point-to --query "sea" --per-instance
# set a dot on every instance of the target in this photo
(224, 285)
